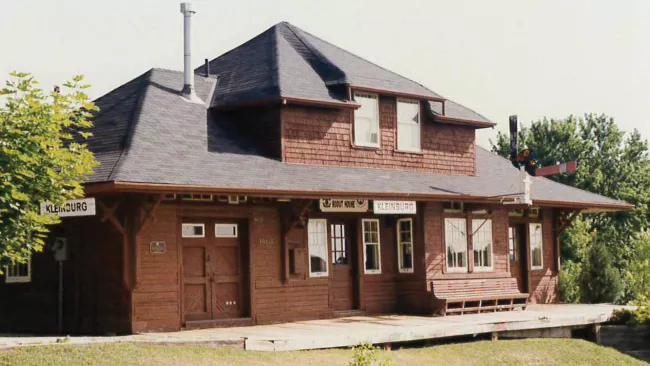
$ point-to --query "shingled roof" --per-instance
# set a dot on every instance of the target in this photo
(287, 62)
(147, 133)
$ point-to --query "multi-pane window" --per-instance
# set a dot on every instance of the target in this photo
(371, 252)
(408, 125)
(456, 244)
(513, 243)
(366, 120)
(19, 272)
(339, 244)
(317, 243)
(536, 245)
(482, 242)
(405, 245)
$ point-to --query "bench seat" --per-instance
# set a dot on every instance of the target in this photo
(477, 295)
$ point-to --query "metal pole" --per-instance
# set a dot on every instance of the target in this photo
(60, 297)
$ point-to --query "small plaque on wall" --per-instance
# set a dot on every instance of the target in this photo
(157, 247)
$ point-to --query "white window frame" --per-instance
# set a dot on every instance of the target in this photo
(17, 278)
(419, 123)
(456, 269)
(363, 238)
(399, 246)
(233, 225)
(477, 225)
(533, 245)
(309, 245)
(357, 141)
(192, 224)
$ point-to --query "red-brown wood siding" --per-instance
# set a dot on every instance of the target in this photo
(319, 136)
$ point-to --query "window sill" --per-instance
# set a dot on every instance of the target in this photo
(412, 152)
(372, 272)
(366, 147)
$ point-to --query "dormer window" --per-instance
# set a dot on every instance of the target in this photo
(408, 125)
(366, 120)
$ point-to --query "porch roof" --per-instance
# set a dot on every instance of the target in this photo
(147, 137)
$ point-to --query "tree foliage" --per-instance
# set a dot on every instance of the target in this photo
(42, 159)
(599, 281)
(611, 163)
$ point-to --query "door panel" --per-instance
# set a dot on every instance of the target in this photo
(196, 279)
(227, 277)
(517, 255)
(342, 287)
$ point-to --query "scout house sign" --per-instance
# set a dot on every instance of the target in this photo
(82, 207)
(338, 205)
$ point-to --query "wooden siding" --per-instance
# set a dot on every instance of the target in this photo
(319, 136)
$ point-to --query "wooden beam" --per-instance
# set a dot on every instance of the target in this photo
(567, 223)
(149, 216)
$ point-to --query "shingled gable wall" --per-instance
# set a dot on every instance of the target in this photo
(319, 136)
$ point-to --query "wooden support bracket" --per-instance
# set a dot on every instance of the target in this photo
(109, 215)
(567, 223)
(149, 213)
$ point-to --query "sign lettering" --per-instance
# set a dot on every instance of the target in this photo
(340, 205)
(394, 207)
(81, 207)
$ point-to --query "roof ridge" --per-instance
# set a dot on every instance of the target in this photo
(364, 59)
(314, 52)
(130, 130)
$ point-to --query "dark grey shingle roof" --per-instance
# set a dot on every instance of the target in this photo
(172, 141)
(287, 62)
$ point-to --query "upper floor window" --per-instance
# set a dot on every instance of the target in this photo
(366, 120)
(408, 125)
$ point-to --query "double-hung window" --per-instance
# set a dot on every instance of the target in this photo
(456, 244)
(536, 246)
(317, 243)
(371, 249)
(19, 272)
(405, 245)
(408, 125)
(366, 120)
(482, 242)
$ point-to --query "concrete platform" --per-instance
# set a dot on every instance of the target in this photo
(346, 332)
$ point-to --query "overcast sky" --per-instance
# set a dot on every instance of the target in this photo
(500, 57)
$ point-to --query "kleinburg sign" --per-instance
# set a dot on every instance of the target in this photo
(80, 207)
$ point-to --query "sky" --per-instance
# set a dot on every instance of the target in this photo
(533, 58)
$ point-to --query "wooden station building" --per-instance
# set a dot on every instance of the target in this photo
(291, 180)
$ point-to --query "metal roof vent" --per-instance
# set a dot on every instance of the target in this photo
(188, 87)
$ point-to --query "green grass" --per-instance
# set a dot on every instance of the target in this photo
(519, 352)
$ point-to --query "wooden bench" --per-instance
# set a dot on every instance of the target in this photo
(477, 295)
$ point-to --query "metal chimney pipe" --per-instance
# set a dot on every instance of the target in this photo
(188, 88)
(207, 68)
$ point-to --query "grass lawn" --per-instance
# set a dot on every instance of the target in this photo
(527, 352)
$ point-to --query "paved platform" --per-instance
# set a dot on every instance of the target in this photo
(345, 332)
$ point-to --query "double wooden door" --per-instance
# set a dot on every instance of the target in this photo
(343, 289)
(213, 273)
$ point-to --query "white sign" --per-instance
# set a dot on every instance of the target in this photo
(81, 207)
(394, 207)
(339, 205)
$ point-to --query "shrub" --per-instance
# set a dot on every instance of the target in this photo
(632, 317)
(366, 355)
(569, 282)
(600, 282)
(639, 274)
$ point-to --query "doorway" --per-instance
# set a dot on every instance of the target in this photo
(215, 263)
(517, 255)
(343, 289)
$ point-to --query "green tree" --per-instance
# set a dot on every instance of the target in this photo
(42, 159)
(611, 163)
(599, 281)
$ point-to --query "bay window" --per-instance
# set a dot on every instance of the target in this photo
(482, 242)
(317, 245)
(408, 125)
(456, 244)
(371, 249)
(536, 246)
(405, 245)
(366, 120)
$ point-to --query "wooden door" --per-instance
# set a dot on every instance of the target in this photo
(197, 285)
(226, 270)
(517, 255)
(342, 289)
